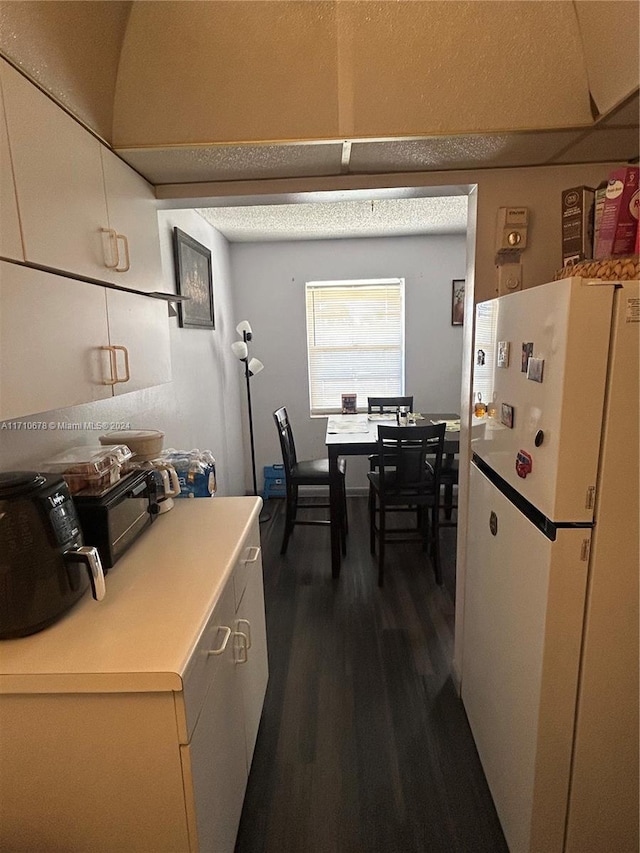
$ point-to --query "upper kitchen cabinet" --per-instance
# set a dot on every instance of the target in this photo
(10, 239)
(52, 331)
(133, 219)
(64, 342)
(139, 335)
(82, 210)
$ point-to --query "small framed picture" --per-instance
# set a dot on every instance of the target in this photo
(457, 301)
(503, 353)
(506, 415)
(194, 279)
(527, 352)
(349, 404)
(535, 369)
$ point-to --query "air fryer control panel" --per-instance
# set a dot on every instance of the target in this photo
(62, 516)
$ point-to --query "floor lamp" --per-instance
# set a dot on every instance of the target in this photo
(251, 367)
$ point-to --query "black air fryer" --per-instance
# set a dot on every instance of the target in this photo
(44, 567)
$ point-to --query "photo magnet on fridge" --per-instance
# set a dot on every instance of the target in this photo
(527, 352)
(535, 369)
(506, 415)
(503, 353)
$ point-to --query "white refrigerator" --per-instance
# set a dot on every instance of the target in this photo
(550, 640)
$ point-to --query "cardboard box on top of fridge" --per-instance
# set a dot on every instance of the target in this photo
(577, 224)
(619, 222)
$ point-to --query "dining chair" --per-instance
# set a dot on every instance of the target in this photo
(407, 481)
(308, 472)
(385, 406)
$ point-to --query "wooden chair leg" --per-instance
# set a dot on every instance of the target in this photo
(448, 501)
(290, 516)
(381, 543)
(372, 520)
(344, 503)
(435, 544)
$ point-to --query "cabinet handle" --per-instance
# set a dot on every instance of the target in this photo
(256, 553)
(125, 353)
(113, 362)
(242, 646)
(223, 644)
(247, 632)
(127, 262)
(112, 366)
(113, 243)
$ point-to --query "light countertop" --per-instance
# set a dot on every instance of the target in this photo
(159, 597)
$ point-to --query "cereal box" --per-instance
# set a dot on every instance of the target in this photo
(619, 222)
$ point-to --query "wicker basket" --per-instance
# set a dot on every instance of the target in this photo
(626, 268)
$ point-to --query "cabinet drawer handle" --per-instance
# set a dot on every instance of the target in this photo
(113, 364)
(223, 644)
(252, 557)
(246, 632)
(125, 353)
(127, 261)
(242, 646)
(113, 245)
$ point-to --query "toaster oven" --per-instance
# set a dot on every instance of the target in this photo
(113, 520)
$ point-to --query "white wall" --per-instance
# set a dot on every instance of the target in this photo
(193, 410)
(269, 281)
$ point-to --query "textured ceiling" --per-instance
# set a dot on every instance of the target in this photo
(331, 220)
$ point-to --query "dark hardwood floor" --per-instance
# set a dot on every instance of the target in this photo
(364, 744)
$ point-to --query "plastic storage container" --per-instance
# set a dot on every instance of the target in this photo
(145, 444)
(274, 481)
(89, 470)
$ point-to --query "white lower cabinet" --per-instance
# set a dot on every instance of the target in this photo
(54, 338)
(214, 760)
(134, 768)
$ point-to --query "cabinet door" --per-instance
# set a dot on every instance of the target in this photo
(214, 760)
(254, 673)
(10, 239)
(132, 210)
(59, 181)
(51, 331)
(140, 325)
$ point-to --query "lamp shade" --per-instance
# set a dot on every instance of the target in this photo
(240, 350)
(243, 326)
(255, 366)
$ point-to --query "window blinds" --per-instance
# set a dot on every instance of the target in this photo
(355, 341)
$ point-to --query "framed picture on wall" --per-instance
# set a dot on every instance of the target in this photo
(457, 301)
(194, 279)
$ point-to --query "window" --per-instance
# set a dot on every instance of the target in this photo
(355, 341)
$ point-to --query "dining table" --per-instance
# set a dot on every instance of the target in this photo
(357, 435)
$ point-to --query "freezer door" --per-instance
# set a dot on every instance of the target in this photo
(556, 423)
(523, 613)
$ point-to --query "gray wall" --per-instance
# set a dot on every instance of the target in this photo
(268, 283)
(193, 410)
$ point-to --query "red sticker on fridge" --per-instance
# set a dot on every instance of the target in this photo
(524, 463)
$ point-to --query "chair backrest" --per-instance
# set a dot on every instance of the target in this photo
(380, 405)
(287, 444)
(403, 453)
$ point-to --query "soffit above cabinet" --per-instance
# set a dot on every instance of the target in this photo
(228, 91)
